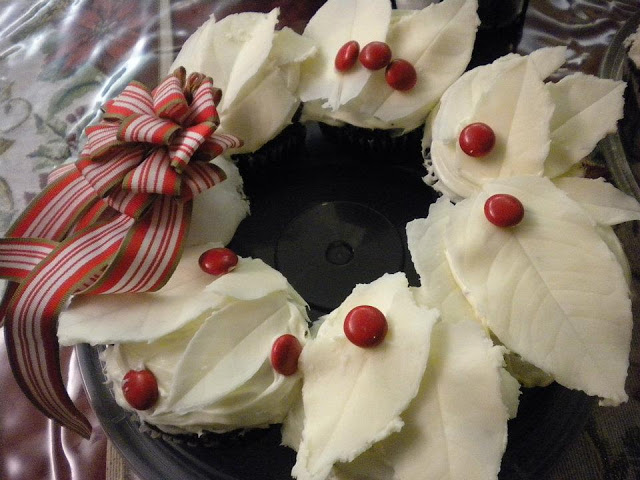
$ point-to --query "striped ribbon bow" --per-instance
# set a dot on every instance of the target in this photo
(112, 222)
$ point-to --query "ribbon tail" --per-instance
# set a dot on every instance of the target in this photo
(51, 398)
(9, 290)
(150, 252)
(31, 320)
(54, 211)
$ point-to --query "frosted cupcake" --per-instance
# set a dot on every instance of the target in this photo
(425, 400)
(538, 265)
(379, 72)
(221, 350)
(258, 69)
(503, 120)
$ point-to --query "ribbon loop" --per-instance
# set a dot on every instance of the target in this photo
(187, 142)
(150, 129)
(169, 101)
(135, 99)
(154, 175)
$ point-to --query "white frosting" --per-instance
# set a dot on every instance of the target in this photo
(208, 342)
(535, 123)
(550, 288)
(257, 69)
(437, 40)
(218, 211)
(456, 427)
(438, 288)
(352, 396)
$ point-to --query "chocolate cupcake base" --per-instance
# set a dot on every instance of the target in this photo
(377, 145)
(274, 156)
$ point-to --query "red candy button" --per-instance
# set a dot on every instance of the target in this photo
(140, 389)
(477, 139)
(285, 352)
(365, 326)
(503, 210)
(347, 56)
(218, 261)
(401, 75)
(375, 55)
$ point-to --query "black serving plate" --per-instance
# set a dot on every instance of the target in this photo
(621, 150)
(329, 220)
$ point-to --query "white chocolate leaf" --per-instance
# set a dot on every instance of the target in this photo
(334, 24)
(438, 289)
(192, 56)
(518, 108)
(189, 293)
(140, 317)
(609, 237)
(289, 51)
(292, 425)
(605, 203)
(437, 41)
(251, 280)
(607, 206)
(270, 107)
(251, 56)
(214, 365)
(510, 97)
(458, 100)
(587, 109)
(344, 410)
(290, 47)
(548, 60)
(549, 288)
(456, 427)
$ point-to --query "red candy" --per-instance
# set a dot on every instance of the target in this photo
(285, 352)
(401, 75)
(477, 139)
(347, 56)
(375, 55)
(365, 326)
(140, 389)
(218, 261)
(503, 210)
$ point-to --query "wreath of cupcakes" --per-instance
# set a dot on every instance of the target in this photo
(517, 259)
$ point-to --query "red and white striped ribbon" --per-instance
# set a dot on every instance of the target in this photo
(113, 222)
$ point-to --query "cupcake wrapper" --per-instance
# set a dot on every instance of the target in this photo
(207, 439)
(377, 145)
(276, 155)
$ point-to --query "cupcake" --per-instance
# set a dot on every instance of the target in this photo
(503, 119)
(379, 72)
(221, 349)
(428, 397)
(537, 264)
(258, 69)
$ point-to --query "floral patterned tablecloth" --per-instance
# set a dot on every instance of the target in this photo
(60, 59)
